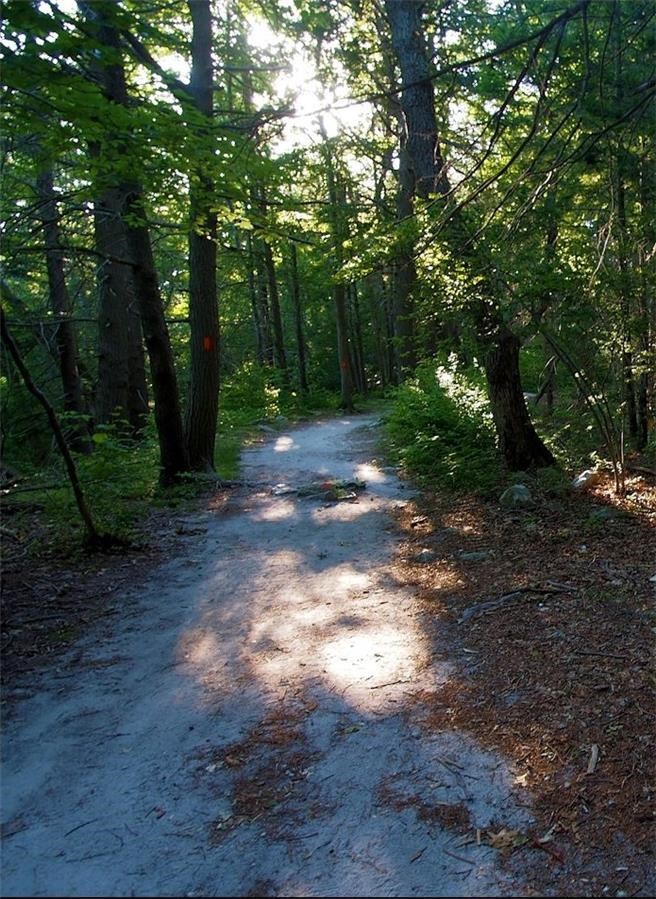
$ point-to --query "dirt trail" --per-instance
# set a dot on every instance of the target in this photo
(246, 728)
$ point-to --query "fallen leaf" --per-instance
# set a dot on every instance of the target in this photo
(506, 839)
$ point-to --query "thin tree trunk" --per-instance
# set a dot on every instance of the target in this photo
(262, 296)
(92, 533)
(336, 199)
(298, 320)
(113, 368)
(202, 407)
(358, 341)
(61, 306)
(279, 356)
(255, 302)
(168, 417)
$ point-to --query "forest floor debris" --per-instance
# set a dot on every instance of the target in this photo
(556, 635)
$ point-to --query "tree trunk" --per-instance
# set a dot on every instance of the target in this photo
(61, 306)
(202, 407)
(258, 326)
(138, 393)
(262, 297)
(279, 357)
(148, 313)
(358, 342)
(425, 166)
(122, 390)
(92, 534)
(113, 368)
(518, 440)
(519, 444)
(168, 417)
(343, 347)
(298, 320)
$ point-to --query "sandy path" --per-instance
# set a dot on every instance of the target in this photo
(246, 729)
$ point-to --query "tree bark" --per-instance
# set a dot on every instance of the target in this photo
(122, 391)
(518, 440)
(202, 407)
(148, 313)
(336, 201)
(168, 416)
(279, 356)
(61, 306)
(113, 367)
(298, 320)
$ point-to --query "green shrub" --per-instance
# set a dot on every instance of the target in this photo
(440, 429)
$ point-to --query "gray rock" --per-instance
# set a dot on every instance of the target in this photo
(476, 556)
(517, 497)
(283, 490)
(424, 556)
(603, 513)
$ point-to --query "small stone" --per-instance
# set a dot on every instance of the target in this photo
(516, 497)
(603, 513)
(424, 556)
(476, 556)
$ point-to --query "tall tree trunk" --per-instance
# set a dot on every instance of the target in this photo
(148, 315)
(647, 304)
(260, 301)
(427, 170)
(520, 445)
(619, 167)
(255, 302)
(138, 393)
(168, 416)
(202, 407)
(61, 307)
(358, 342)
(122, 389)
(298, 320)
(279, 356)
(405, 273)
(336, 199)
(112, 391)
(343, 346)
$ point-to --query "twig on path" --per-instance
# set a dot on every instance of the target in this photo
(461, 858)
(491, 605)
(603, 655)
(418, 855)
(80, 826)
(391, 683)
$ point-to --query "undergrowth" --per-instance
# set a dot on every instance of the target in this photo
(441, 432)
(120, 478)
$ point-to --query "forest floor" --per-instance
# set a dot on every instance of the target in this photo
(337, 691)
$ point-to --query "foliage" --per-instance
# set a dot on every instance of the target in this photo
(439, 431)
